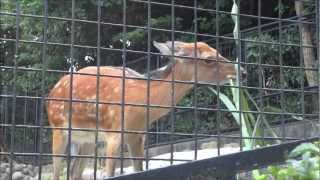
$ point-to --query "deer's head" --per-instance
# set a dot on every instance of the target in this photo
(212, 67)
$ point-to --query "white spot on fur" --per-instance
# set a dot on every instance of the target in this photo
(56, 106)
(116, 89)
(65, 83)
(59, 90)
(93, 97)
(61, 115)
(50, 112)
(111, 113)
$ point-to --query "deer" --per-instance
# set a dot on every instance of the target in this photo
(212, 68)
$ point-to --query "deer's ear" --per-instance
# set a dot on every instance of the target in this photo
(177, 47)
(162, 47)
(168, 48)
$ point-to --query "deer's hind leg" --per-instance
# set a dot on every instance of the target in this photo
(136, 149)
(112, 150)
(79, 163)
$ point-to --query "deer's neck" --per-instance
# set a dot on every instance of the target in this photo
(166, 94)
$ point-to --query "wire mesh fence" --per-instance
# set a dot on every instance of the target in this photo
(94, 89)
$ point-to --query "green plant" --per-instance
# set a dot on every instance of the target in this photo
(303, 164)
(250, 125)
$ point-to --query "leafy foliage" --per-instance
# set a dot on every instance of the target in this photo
(303, 164)
(268, 52)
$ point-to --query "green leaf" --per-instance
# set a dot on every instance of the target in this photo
(282, 174)
(274, 170)
(261, 177)
(303, 148)
(231, 107)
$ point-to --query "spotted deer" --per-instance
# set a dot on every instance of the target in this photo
(84, 87)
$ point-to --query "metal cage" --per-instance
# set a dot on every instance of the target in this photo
(277, 103)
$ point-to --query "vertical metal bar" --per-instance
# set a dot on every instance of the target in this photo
(97, 90)
(35, 132)
(25, 123)
(195, 109)
(157, 130)
(148, 86)
(218, 120)
(303, 71)
(2, 118)
(43, 71)
(239, 77)
(14, 90)
(6, 115)
(172, 114)
(70, 101)
(318, 54)
(261, 70)
(37, 123)
(158, 62)
(282, 105)
(124, 54)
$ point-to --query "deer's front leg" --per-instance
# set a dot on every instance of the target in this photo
(136, 147)
(59, 144)
(113, 143)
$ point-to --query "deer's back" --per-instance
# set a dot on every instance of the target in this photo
(84, 100)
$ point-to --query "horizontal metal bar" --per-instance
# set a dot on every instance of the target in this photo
(169, 81)
(167, 107)
(275, 25)
(150, 132)
(165, 30)
(218, 11)
(88, 156)
(169, 5)
(306, 90)
(145, 78)
(222, 166)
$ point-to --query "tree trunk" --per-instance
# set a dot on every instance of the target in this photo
(309, 57)
(308, 52)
